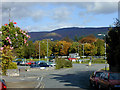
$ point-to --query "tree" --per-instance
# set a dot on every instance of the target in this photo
(67, 39)
(12, 37)
(29, 50)
(113, 49)
(43, 48)
(90, 49)
(100, 47)
(62, 47)
(76, 48)
(88, 39)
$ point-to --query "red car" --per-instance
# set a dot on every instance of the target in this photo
(71, 59)
(94, 78)
(29, 63)
(2, 85)
(109, 80)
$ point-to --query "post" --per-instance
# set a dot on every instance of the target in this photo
(105, 54)
(47, 50)
(105, 50)
(39, 51)
(9, 14)
(83, 51)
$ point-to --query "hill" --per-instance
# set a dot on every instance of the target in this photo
(70, 32)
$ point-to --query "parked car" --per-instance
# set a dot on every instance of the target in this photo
(42, 64)
(2, 85)
(93, 80)
(30, 62)
(17, 62)
(109, 80)
(23, 63)
(38, 62)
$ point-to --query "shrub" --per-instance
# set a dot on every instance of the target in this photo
(12, 65)
(62, 63)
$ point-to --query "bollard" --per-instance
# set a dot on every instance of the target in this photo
(89, 63)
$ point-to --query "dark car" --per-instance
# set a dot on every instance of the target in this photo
(41, 64)
(109, 80)
(2, 85)
(94, 78)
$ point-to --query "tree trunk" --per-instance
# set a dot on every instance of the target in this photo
(115, 68)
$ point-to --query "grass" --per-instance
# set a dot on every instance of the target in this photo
(96, 61)
(106, 69)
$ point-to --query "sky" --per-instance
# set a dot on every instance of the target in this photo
(48, 16)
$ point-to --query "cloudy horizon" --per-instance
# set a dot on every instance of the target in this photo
(44, 16)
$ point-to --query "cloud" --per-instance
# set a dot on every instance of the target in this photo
(61, 14)
(102, 7)
(94, 7)
(20, 11)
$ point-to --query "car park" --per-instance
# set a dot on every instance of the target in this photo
(3, 85)
(109, 80)
(93, 80)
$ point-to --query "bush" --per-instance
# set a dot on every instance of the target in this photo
(12, 65)
(62, 63)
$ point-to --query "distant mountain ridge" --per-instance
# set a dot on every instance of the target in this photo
(58, 34)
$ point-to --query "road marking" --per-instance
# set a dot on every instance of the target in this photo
(38, 78)
(39, 82)
(22, 79)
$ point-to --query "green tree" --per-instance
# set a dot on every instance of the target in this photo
(67, 39)
(12, 37)
(113, 50)
(100, 47)
(29, 50)
(76, 48)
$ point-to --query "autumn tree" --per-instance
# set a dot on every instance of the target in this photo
(88, 39)
(90, 49)
(62, 47)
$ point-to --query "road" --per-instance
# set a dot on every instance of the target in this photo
(75, 77)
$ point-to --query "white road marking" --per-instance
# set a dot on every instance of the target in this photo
(39, 82)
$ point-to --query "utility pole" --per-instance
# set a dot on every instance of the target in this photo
(9, 14)
(105, 49)
(39, 50)
(47, 50)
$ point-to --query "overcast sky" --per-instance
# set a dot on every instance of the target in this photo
(44, 16)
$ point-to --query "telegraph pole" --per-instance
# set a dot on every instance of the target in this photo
(39, 50)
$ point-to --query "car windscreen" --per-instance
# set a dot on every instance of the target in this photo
(114, 76)
(98, 74)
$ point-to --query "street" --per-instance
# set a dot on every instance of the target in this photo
(75, 77)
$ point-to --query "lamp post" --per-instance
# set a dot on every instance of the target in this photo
(105, 49)
(47, 48)
(83, 51)
(39, 50)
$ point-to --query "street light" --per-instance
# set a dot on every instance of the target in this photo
(47, 48)
(39, 50)
(105, 46)
(83, 51)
